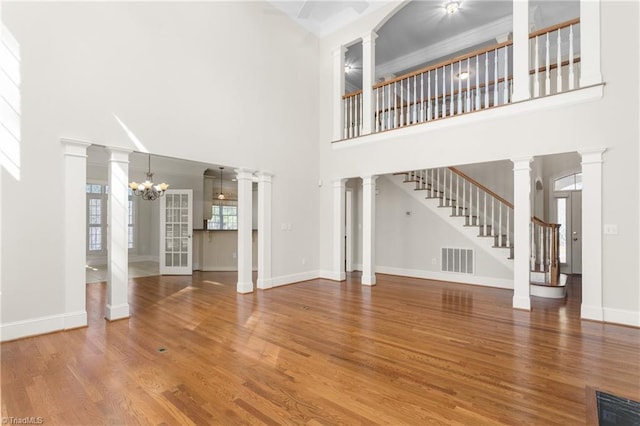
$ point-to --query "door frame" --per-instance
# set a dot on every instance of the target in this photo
(185, 269)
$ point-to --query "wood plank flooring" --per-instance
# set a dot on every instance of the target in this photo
(406, 351)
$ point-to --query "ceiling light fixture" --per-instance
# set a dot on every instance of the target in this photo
(220, 194)
(347, 68)
(452, 7)
(463, 75)
(147, 189)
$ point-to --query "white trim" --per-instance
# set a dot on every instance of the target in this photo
(447, 276)
(116, 312)
(75, 320)
(331, 275)
(31, 327)
(594, 313)
(560, 100)
(622, 316)
(294, 278)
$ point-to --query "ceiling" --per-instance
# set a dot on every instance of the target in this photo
(421, 32)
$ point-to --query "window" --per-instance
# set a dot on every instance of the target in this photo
(97, 197)
(561, 206)
(223, 217)
(569, 183)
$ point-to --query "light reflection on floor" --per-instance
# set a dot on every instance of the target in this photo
(98, 273)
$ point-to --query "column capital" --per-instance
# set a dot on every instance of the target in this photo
(521, 163)
(339, 183)
(244, 174)
(592, 156)
(265, 177)
(369, 179)
(75, 148)
(119, 155)
(369, 36)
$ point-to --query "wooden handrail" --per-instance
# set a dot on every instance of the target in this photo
(555, 27)
(481, 186)
(444, 63)
(352, 94)
(541, 222)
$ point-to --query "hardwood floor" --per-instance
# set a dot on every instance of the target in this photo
(406, 351)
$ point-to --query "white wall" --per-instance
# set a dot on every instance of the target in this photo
(231, 83)
(413, 242)
(502, 134)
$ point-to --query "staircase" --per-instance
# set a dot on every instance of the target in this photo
(485, 215)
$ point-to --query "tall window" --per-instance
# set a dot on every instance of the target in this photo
(97, 198)
(223, 217)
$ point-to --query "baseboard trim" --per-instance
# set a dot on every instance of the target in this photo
(441, 276)
(209, 268)
(31, 327)
(75, 320)
(116, 312)
(330, 275)
(622, 316)
(294, 278)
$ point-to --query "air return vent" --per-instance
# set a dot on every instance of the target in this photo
(457, 260)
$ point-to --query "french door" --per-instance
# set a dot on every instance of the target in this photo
(176, 213)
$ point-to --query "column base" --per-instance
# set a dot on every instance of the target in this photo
(264, 284)
(244, 287)
(116, 312)
(75, 320)
(522, 303)
(368, 280)
(594, 313)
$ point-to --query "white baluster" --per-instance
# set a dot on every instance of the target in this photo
(493, 216)
(432, 183)
(377, 114)
(444, 92)
(478, 205)
(571, 59)
(395, 104)
(467, 94)
(346, 117)
(507, 86)
(360, 116)
(438, 183)
(501, 234)
(451, 97)
(541, 260)
(401, 118)
(415, 100)
(422, 97)
(486, 80)
(459, 87)
(457, 204)
(485, 214)
(536, 79)
(389, 108)
(464, 198)
(495, 78)
(559, 62)
(508, 228)
(547, 81)
(532, 250)
(477, 97)
(429, 96)
(436, 97)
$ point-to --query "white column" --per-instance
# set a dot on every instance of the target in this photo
(521, 232)
(118, 235)
(368, 79)
(592, 229)
(338, 92)
(245, 267)
(368, 230)
(339, 190)
(264, 230)
(521, 50)
(590, 43)
(75, 228)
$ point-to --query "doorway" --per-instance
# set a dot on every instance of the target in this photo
(567, 207)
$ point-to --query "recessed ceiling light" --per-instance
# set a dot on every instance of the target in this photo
(452, 7)
(463, 75)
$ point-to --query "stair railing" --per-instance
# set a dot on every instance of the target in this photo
(352, 103)
(545, 253)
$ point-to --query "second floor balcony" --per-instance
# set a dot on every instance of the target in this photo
(522, 66)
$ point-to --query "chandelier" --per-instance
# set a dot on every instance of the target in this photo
(147, 189)
(221, 194)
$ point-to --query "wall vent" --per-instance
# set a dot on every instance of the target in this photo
(457, 260)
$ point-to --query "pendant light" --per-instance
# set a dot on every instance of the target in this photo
(220, 194)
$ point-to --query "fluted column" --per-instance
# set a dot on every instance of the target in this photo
(75, 225)
(368, 79)
(521, 232)
(592, 235)
(264, 230)
(245, 209)
(338, 92)
(368, 230)
(118, 235)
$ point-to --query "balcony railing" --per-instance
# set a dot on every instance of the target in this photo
(472, 82)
